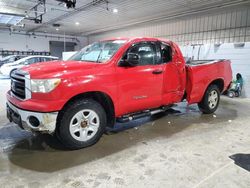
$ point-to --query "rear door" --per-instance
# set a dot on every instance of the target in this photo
(174, 74)
(140, 87)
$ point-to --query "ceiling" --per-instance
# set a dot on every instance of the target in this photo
(99, 16)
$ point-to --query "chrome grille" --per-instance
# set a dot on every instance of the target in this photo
(18, 84)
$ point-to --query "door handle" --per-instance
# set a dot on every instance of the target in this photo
(157, 71)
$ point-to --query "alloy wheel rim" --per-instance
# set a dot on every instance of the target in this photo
(213, 99)
(84, 125)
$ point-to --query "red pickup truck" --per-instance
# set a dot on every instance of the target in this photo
(112, 80)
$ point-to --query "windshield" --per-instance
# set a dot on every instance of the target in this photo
(98, 52)
(8, 59)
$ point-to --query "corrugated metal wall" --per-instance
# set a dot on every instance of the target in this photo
(229, 26)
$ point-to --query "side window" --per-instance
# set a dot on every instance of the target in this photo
(44, 59)
(166, 52)
(37, 59)
(31, 60)
(146, 52)
(34, 60)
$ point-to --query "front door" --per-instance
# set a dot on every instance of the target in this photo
(140, 87)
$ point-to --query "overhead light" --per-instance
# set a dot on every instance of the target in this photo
(10, 19)
(115, 10)
(77, 23)
(57, 29)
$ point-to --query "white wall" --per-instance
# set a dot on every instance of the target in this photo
(39, 43)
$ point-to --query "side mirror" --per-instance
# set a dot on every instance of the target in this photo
(130, 60)
(133, 59)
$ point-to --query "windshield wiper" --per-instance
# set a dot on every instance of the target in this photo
(87, 61)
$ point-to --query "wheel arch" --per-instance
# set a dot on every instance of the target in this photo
(193, 97)
(104, 99)
(219, 83)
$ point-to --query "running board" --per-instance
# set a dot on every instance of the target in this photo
(142, 114)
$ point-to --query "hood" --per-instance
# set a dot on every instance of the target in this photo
(57, 69)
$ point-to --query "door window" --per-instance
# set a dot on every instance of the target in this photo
(33, 60)
(45, 59)
(146, 53)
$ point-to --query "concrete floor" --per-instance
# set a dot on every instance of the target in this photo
(181, 148)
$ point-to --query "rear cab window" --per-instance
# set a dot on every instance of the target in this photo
(166, 52)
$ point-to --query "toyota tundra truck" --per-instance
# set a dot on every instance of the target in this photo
(119, 79)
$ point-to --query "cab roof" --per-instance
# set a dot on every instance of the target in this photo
(130, 39)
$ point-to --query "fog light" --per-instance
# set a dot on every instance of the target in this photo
(34, 121)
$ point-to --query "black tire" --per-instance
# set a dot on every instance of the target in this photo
(205, 105)
(237, 94)
(231, 94)
(65, 118)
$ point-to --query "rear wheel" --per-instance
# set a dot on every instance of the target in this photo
(82, 124)
(211, 100)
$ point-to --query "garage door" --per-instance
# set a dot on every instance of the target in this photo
(57, 48)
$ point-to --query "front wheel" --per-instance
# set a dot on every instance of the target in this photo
(81, 124)
(211, 100)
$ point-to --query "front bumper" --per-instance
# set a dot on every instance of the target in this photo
(46, 121)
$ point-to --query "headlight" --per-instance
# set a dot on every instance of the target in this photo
(44, 86)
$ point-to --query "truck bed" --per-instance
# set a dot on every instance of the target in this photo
(200, 74)
(201, 62)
